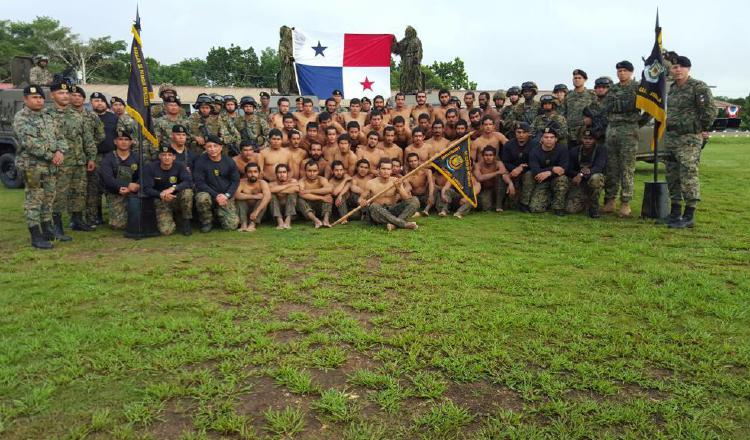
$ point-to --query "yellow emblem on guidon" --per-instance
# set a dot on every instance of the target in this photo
(455, 161)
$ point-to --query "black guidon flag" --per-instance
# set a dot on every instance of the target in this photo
(140, 92)
(455, 164)
(652, 91)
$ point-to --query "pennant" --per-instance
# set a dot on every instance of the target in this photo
(140, 92)
(652, 92)
(455, 164)
(357, 64)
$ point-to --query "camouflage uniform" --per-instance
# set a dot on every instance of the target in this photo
(37, 143)
(116, 203)
(554, 188)
(157, 111)
(94, 189)
(253, 128)
(544, 119)
(506, 115)
(319, 207)
(215, 125)
(127, 123)
(71, 179)
(524, 112)
(207, 208)
(166, 211)
(40, 75)
(622, 140)
(575, 102)
(163, 128)
(691, 111)
(397, 214)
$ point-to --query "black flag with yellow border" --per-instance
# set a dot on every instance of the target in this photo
(652, 92)
(140, 92)
(455, 164)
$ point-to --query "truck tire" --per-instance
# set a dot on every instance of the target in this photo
(8, 173)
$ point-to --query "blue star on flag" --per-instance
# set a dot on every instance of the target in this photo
(319, 49)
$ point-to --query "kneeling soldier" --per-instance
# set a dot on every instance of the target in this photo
(586, 172)
(170, 182)
(216, 180)
(119, 175)
(548, 163)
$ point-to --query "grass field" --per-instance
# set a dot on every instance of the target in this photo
(495, 326)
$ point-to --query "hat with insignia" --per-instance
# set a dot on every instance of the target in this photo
(98, 95)
(59, 85)
(166, 147)
(114, 99)
(33, 89)
(550, 129)
(523, 126)
(214, 139)
(265, 95)
(179, 128)
(683, 61)
(336, 92)
(627, 65)
(123, 132)
(78, 89)
(588, 133)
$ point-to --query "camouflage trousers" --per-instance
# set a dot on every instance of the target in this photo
(584, 194)
(94, 191)
(246, 207)
(208, 208)
(682, 167)
(118, 210)
(318, 207)
(397, 214)
(423, 199)
(39, 193)
(493, 197)
(622, 144)
(182, 205)
(526, 183)
(453, 203)
(553, 189)
(70, 193)
(283, 207)
(351, 201)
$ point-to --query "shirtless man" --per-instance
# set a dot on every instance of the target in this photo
(311, 134)
(421, 107)
(449, 197)
(389, 147)
(341, 183)
(401, 109)
(290, 126)
(425, 123)
(326, 120)
(283, 197)
(385, 209)
(345, 155)
(451, 118)
(247, 155)
(355, 113)
(421, 185)
(298, 154)
(494, 180)
(398, 168)
(461, 128)
(418, 146)
(376, 124)
(330, 143)
(315, 196)
(378, 103)
(275, 155)
(356, 135)
(439, 112)
(437, 142)
(252, 197)
(277, 119)
(307, 114)
(469, 101)
(488, 137)
(371, 152)
(403, 133)
(333, 111)
(475, 120)
(316, 155)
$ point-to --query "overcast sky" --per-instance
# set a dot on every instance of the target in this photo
(503, 43)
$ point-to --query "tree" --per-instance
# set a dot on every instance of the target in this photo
(269, 67)
(29, 39)
(453, 74)
(88, 58)
(232, 66)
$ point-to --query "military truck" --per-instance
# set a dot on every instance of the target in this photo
(11, 101)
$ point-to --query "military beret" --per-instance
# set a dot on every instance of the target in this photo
(264, 95)
(123, 132)
(77, 89)
(683, 61)
(114, 99)
(580, 72)
(171, 98)
(179, 128)
(60, 85)
(98, 95)
(166, 147)
(215, 140)
(627, 65)
(559, 87)
(33, 90)
(523, 126)
(336, 92)
(587, 133)
(550, 129)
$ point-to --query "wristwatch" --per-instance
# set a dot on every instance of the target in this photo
(229, 196)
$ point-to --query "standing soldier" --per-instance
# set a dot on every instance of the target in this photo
(527, 110)
(39, 75)
(575, 101)
(40, 152)
(80, 158)
(264, 111)
(691, 113)
(622, 139)
(560, 91)
(251, 126)
(94, 188)
(166, 89)
(548, 116)
(163, 126)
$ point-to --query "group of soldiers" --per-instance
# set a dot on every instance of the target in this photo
(236, 163)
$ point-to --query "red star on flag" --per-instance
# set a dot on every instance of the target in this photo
(367, 84)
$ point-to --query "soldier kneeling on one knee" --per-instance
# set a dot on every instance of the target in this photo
(586, 172)
(171, 184)
(120, 175)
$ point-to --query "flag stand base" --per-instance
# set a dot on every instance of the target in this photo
(655, 200)
(141, 218)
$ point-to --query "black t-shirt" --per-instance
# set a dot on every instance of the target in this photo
(156, 179)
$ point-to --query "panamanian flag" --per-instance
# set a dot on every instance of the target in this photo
(356, 64)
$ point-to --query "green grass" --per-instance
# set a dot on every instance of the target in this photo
(494, 326)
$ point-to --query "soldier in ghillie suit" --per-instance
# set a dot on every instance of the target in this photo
(410, 51)
(287, 80)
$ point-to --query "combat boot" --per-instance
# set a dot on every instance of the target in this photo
(609, 206)
(673, 217)
(99, 217)
(206, 227)
(560, 212)
(687, 220)
(624, 210)
(58, 228)
(48, 231)
(78, 224)
(37, 238)
(594, 211)
(185, 227)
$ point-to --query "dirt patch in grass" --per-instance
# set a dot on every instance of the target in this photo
(482, 398)
(336, 378)
(372, 264)
(174, 420)
(285, 336)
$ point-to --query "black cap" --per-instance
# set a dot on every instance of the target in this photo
(123, 132)
(98, 95)
(580, 72)
(550, 129)
(59, 85)
(166, 147)
(114, 99)
(524, 126)
(179, 128)
(559, 87)
(683, 61)
(336, 92)
(214, 139)
(627, 65)
(588, 133)
(33, 89)
(171, 98)
(77, 89)
(265, 95)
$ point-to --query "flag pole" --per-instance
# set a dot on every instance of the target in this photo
(409, 174)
